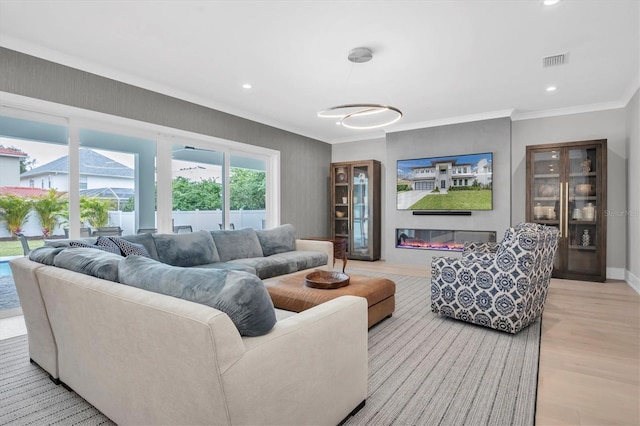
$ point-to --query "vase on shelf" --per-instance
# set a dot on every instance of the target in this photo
(586, 238)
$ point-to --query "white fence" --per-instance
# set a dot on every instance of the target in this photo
(200, 219)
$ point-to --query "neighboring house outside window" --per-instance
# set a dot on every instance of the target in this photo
(83, 182)
(32, 183)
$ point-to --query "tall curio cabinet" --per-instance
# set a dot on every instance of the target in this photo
(355, 207)
(567, 189)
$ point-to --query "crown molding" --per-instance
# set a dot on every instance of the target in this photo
(452, 120)
(580, 109)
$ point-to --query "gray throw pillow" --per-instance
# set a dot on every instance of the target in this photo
(237, 244)
(45, 254)
(277, 240)
(146, 240)
(241, 295)
(192, 249)
(89, 261)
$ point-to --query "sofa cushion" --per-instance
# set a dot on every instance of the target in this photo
(237, 244)
(242, 296)
(89, 261)
(146, 240)
(80, 244)
(45, 254)
(304, 259)
(277, 240)
(228, 266)
(67, 242)
(267, 267)
(192, 249)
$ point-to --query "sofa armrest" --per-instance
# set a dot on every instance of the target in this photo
(317, 245)
(310, 369)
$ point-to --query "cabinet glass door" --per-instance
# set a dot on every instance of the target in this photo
(341, 203)
(546, 190)
(582, 221)
(360, 211)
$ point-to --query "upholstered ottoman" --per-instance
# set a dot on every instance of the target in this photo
(291, 294)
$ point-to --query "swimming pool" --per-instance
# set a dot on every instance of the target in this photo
(5, 270)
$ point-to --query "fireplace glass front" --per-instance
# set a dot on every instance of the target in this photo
(439, 239)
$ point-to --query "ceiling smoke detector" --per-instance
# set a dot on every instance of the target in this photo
(360, 55)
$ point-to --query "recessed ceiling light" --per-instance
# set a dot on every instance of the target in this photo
(246, 86)
(550, 2)
(551, 88)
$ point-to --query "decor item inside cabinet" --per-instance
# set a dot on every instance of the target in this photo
(355, 207)
(567, 188)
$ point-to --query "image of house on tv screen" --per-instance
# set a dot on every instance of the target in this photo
(452, 183)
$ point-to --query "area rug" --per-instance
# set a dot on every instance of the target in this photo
(423, 370)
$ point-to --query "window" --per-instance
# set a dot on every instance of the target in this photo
(60, 133)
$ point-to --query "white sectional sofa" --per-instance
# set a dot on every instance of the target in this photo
(142, 357)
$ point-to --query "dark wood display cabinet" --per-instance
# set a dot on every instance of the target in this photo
(355, 207)
(567, 189)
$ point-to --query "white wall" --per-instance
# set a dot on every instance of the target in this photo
(9, 171)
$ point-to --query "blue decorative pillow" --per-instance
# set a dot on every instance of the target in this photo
(241, 295)
(89, 261)
(237, 244)
(192, 249)
(45, 255)
(276, 240)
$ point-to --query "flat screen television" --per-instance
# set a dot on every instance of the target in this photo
(451, 183)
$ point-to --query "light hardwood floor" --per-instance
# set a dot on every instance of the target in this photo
(589, 352)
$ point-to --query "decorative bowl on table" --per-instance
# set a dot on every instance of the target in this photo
(326, 280)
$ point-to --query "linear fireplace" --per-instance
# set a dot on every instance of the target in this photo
(439, 239)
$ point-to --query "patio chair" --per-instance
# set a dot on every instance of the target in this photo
(231, 226)
(25, 244)
(107, 231)
(182, 229)
(147, 231)
(501, 286)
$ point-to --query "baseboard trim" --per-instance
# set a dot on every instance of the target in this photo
(616, 273)
(633, 281)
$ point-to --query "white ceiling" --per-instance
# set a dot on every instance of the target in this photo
(438, 61)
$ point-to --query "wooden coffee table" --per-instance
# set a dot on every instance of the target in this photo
(289, 293)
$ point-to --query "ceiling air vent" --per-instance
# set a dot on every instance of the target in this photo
(552, 61)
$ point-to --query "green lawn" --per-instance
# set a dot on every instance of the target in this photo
(14, 248)
(455, 200)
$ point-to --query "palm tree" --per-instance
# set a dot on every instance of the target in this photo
(95, 211)
(13, 212)
(50, 208)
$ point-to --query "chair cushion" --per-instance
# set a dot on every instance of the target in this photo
(276, 240)
(192, 249)
(241, 295)
(237, 244)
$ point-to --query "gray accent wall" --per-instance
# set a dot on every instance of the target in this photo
(456, 139)
(304, 161)
(610, 125)
(633, 191)
(466, 138)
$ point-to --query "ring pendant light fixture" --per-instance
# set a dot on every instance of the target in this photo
(362, 116)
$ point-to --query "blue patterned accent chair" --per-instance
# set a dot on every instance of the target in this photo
(502, 286)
